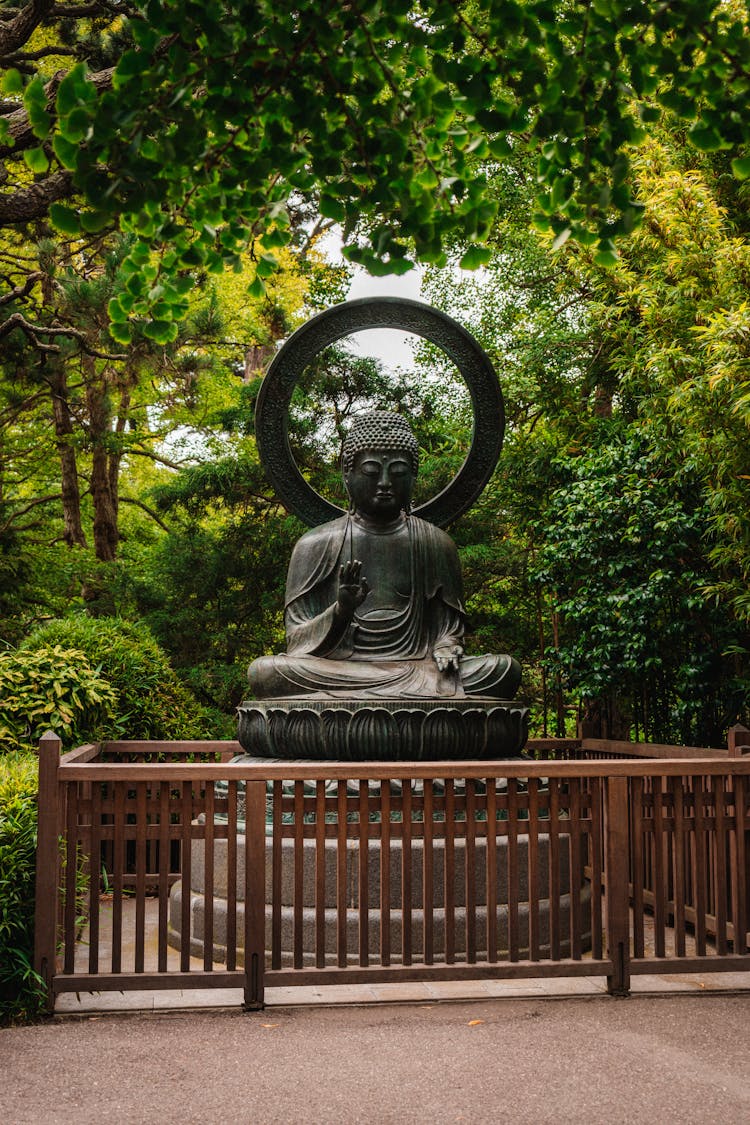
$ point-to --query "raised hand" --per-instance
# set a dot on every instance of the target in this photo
(353, 588)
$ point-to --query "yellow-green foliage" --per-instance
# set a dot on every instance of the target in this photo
(20, 995)
(53, 688)
(147, 699)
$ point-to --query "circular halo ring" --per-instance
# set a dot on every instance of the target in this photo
(473, 363)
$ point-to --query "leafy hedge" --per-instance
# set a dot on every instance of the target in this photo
(149, 699)
(86, 680)
(51, 688)
(20, 989)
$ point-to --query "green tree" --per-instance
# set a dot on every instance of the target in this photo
(196, 125)
(656, 343)
(626, 538)
(672, 318)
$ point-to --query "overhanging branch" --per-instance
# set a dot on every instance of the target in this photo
(147, 510)
(33, 331)
(15, 32)
(33, 202)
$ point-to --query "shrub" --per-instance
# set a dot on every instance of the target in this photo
(21, 994)
(51, 688)
(150, 701)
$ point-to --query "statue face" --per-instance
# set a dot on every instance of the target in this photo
(380, 483)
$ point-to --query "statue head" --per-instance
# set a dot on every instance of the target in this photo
(380, 462)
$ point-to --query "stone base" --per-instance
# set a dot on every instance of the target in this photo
(391, 730)
(220, 907)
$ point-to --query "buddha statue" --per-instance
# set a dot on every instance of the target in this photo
(374, 600)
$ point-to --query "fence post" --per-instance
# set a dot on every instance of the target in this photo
(738, 741)
(47, 865)
(255, 894)
(617, 893)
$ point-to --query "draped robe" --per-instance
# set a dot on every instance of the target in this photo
(415, 607)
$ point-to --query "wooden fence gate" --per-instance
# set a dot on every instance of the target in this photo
(331, 873)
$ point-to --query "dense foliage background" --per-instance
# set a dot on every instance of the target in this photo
(610, 552)
(573, 178)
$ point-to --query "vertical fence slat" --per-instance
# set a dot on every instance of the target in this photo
(638, 871)
(576, 869)
(118, 854)
(740, 870)
(208, 879)
(491, 868)
(595, 839)
(385, 872)
(513, 882)
(186, 856)
(699, 821)
(470, 857)
(276, 838)
(95, 875)
(449, 886)
(722, 883)
(140, 875)
(406, 887)
(363, 889)
(231, 845)
(678, 854)
(320, 874)
(554, 869)
(71, 870)
(533, 853)
(47, 864)
(255, 894)
(341, 865)
(659, 888)
(428, 872)
(299, 871)
(616, 867)
(163, 879)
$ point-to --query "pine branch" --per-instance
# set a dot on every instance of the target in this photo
(17, 320)
(33, 202)
(22, 290)
(149, 511)
(15, 32)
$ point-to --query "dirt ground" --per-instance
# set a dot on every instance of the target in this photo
(681, 1058)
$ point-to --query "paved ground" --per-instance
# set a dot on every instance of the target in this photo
(680, 1058)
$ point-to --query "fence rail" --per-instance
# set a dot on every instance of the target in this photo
(293, 873)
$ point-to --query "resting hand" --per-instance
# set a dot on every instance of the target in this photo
(448, 658)
(353, 587)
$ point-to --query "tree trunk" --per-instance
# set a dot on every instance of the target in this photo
(542, 655)
(63, 421)
(559, 700)
(103, 497)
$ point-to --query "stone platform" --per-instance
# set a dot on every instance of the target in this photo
(220, 908)
(362, 730)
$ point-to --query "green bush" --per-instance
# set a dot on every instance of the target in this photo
(150, 701)
(51, 688)
(21, 994)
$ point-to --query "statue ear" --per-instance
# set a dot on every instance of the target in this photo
(348, 491)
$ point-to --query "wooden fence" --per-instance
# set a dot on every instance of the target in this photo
(350, 872)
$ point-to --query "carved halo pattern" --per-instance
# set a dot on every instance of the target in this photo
(473, 363)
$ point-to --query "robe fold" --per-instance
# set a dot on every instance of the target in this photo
(386, 651)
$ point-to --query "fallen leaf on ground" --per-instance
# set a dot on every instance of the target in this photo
(269, 1025)
(473, 1023)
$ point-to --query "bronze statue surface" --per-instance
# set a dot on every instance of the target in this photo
(375, 666)
(374, 599)
(458, 345)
